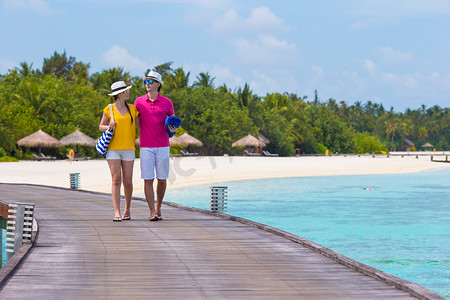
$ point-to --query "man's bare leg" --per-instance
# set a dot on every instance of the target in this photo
(160, 192)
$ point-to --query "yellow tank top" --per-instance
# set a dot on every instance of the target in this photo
(124, 131)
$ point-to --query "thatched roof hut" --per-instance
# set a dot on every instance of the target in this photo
(39, 139)
(427, 145)
(190, 140)
(176, 141)
(263, 139)
(77, 138)
(248, 141)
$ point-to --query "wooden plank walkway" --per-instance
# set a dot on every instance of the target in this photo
(81, 254)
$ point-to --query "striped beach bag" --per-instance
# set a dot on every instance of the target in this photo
(105, 139)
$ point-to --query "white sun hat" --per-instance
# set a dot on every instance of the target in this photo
(118, 87)
(155, 75)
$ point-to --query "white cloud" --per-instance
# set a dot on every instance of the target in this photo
(434, 75)
(316, 72)
(38, 6)
(412, 80)
(409, 81)
(370, 13)
(263, 82)
(201, 3)
(260, 21)
(268, 50)
(369, 66)
(222, 74)
(117, 56)
(391, 56)
(230, 21)
(401, 8)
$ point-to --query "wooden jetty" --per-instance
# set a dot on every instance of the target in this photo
(79, 253)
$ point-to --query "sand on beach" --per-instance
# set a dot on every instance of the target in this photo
(185, 171)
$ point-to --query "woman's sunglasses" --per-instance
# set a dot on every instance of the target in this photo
(149, 81)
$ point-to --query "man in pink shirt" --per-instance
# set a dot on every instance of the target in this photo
(154, 141)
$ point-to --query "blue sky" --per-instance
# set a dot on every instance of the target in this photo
(391, 51)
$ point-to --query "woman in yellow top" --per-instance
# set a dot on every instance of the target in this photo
(121, 149)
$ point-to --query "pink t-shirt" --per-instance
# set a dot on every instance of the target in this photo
(153, 114)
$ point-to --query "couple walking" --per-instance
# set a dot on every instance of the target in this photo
(148, 113)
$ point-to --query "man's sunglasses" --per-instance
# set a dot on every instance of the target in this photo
(149, 81)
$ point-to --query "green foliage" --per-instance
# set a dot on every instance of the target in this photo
(204, 80)
(211, 117)
(365, 143)
(65, 67)
(321, 149)
(63, 97)
(6, 158)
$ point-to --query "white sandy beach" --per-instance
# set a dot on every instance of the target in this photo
(95, 176)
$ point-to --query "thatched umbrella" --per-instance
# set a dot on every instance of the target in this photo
(190, 140)
(248, 141)
(39, 139)
(263, 139)
(177, 141)
(77, 138)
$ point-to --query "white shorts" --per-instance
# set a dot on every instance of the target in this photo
(155, 159)
(126, 155)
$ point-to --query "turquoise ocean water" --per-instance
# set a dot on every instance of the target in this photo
(399, 223)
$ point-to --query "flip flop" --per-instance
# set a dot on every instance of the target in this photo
(159, 217)
(126, 217)
(154, 218)
(117, 219)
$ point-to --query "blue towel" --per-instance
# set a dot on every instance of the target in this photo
(174, 121)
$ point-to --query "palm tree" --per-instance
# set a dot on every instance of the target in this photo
(59, 65)
(102, 81)
(204, 80)
(244, 95)
(391, 129)
(423, 133)
(79, 72)
(30, 96)
(163, 69)
(178, 79)
(26, 69)
(406, 127)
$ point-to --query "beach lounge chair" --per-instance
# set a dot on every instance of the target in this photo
(37, 157)
(267, 153)
(45, 157)
(42, 157)
(82, 158)
(186, 153)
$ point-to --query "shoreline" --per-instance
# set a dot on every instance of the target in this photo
(196, 170)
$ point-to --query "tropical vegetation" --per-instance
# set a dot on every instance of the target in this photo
(62, 96)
